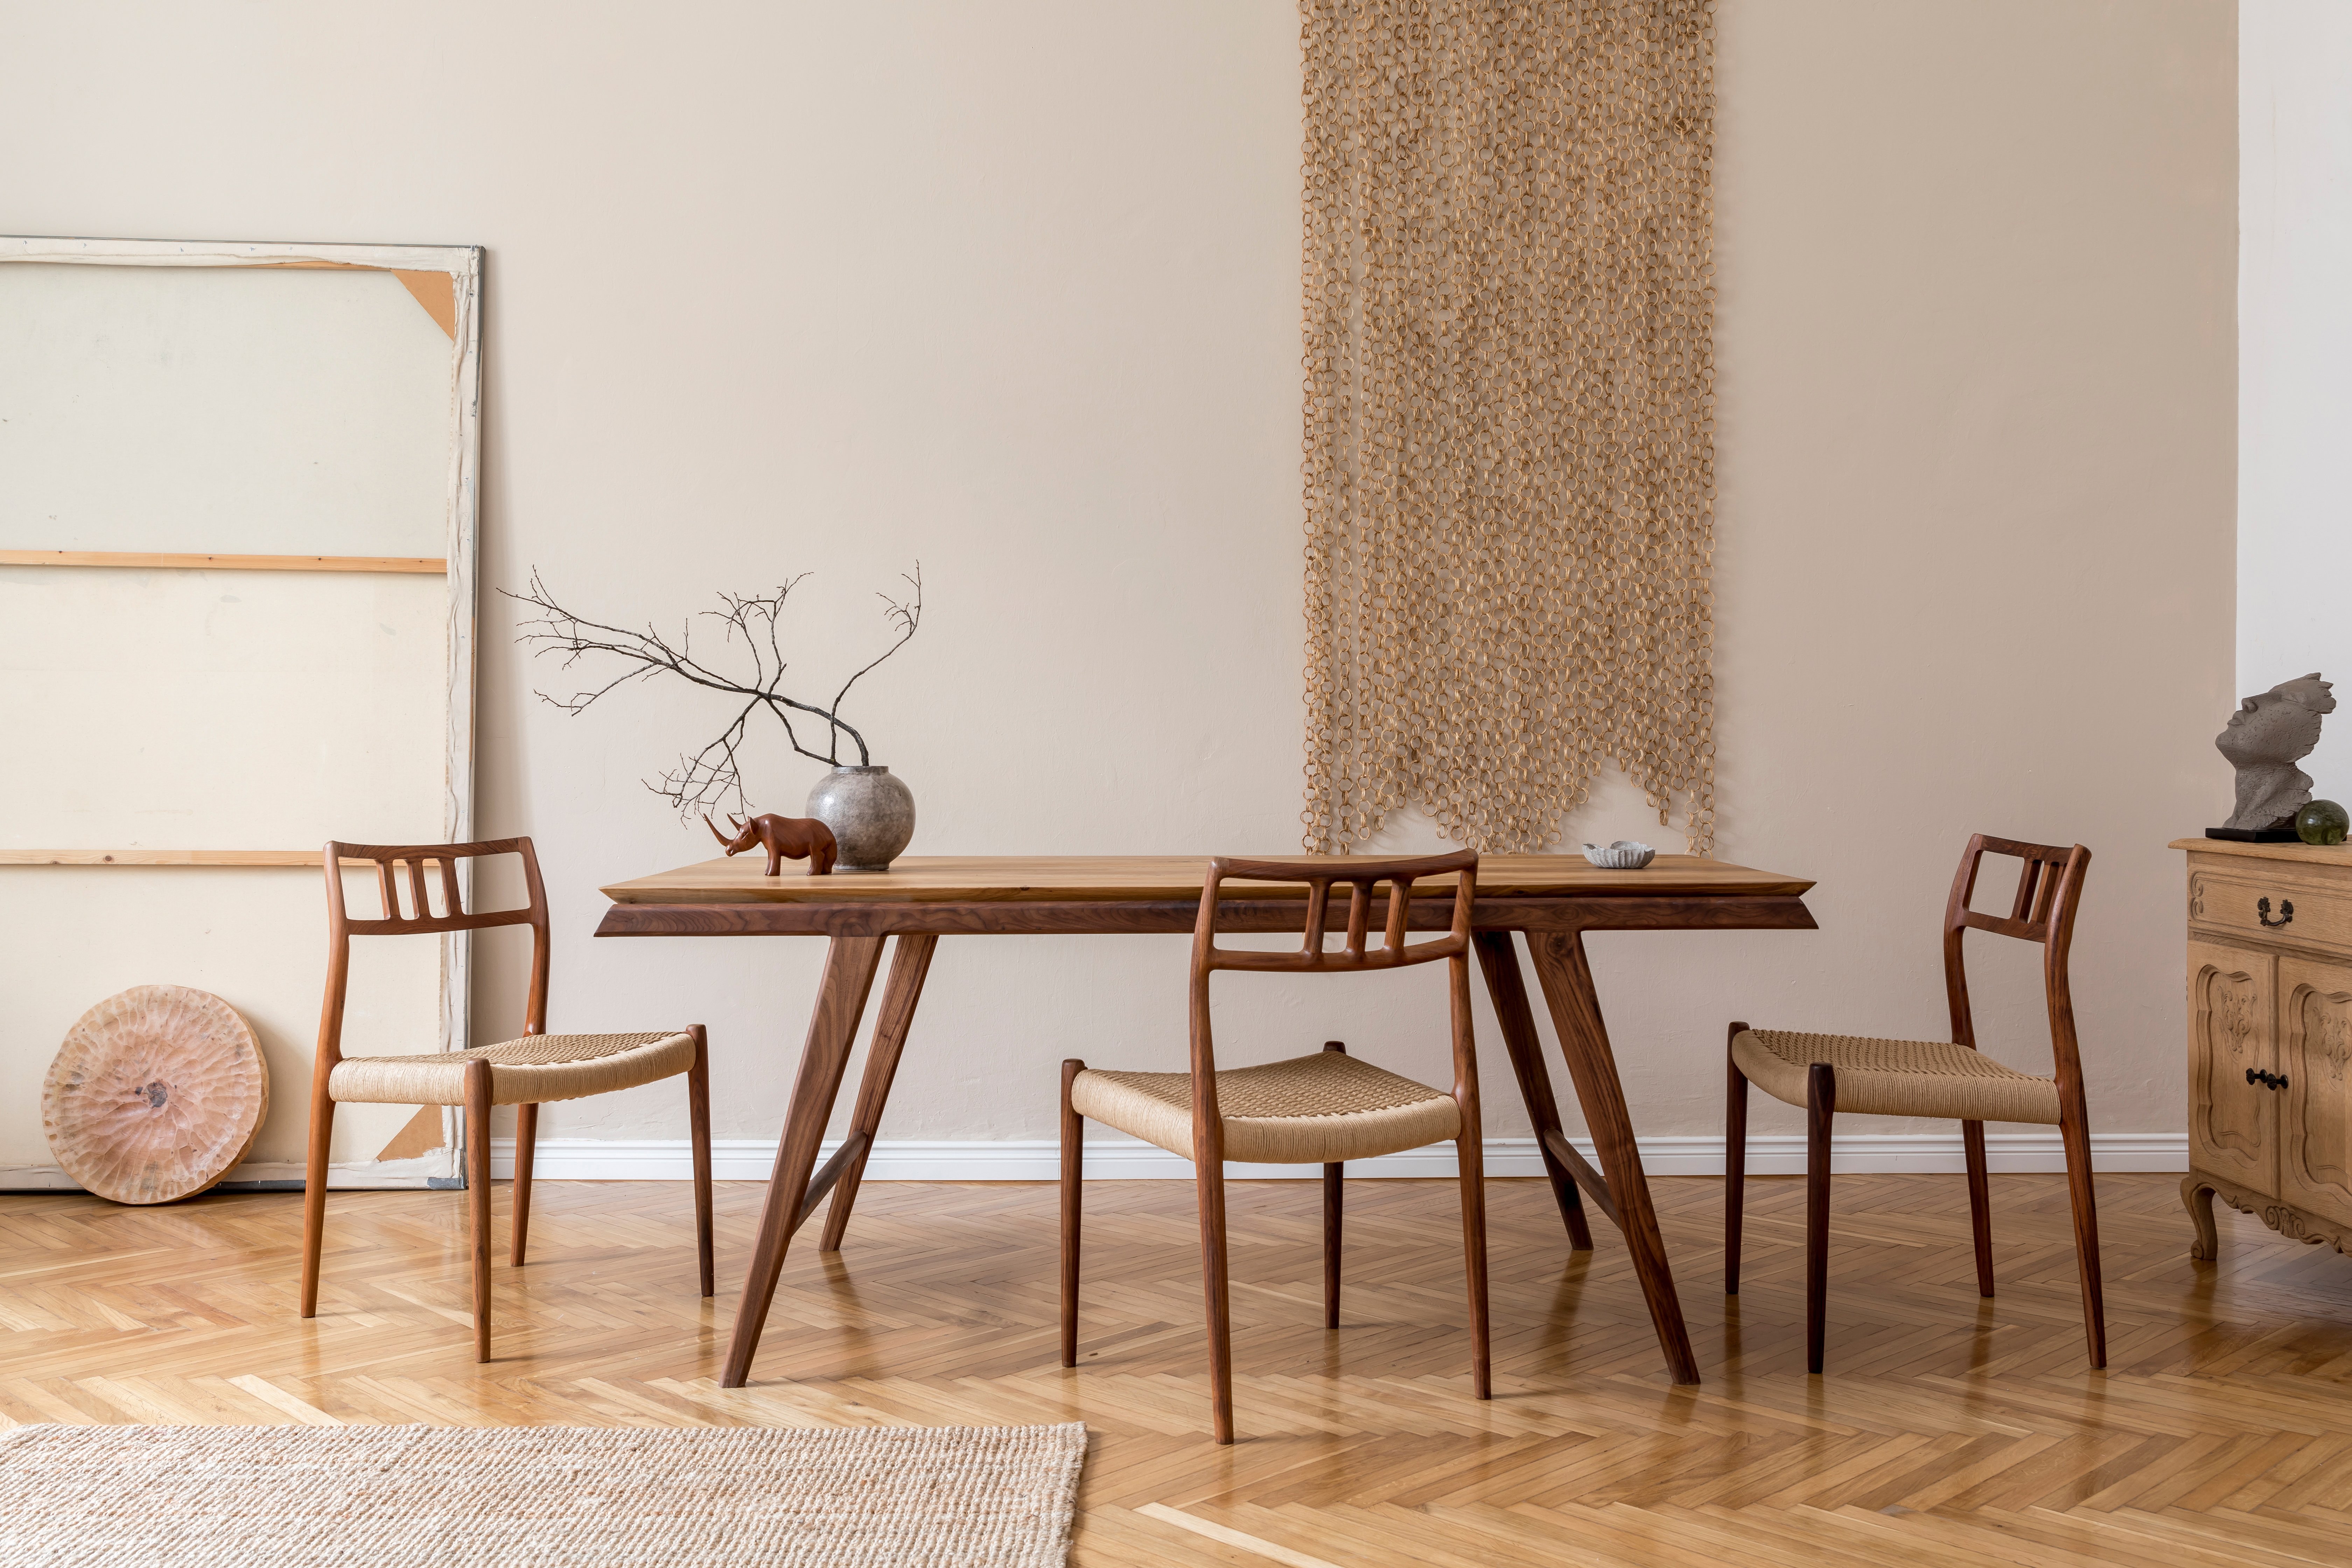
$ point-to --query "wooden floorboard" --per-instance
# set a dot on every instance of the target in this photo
(1949, 1430)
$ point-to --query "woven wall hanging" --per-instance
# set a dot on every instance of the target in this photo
(1509, 412)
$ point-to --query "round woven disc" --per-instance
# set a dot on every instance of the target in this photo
(156, 1094)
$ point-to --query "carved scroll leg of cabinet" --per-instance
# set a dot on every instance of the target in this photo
(2198, 1198)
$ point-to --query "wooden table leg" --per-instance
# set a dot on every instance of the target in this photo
(1566, 980)
(1499, 960)
(911, 960)
(849, 965)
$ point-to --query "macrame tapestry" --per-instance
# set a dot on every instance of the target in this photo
(1509, 390)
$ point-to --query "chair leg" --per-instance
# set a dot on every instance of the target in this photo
(2073, 1127)
(1074, 1159)
(1821, 1097)
(477, 1195)
(1735, 1164)
(697, 1120)
(314, 1197)
(1471, 1161)
(1980, 1202)
(1209, 1182)
(526, 1149)
(1335, 1175)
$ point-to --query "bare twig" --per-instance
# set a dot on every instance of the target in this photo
(907, 615)
(705, 779)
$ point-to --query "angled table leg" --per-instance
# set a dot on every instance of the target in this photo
(849, 965)
(911, 960)
(1500, 961)
(1567, 981)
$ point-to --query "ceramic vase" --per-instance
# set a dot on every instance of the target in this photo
(871, 813)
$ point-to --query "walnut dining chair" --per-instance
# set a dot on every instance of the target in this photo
(523, 1073)
(1324, 1108)
(1825, 1074)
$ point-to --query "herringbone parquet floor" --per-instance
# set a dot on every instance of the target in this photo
(1947, 1432)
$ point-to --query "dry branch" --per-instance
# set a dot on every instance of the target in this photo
(705, 779)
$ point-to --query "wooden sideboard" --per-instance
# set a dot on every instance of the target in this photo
(2270, 1037)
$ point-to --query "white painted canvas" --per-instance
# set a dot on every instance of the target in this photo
(244, 401)
(201, 710)
(264, 410)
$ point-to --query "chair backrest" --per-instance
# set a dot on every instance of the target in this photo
(1311, 957)
(2049, 889)
(402, 865)
(1361, 876)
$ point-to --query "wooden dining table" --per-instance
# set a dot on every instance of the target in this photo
(1553, 899)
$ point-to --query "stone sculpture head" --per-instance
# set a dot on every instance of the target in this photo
(2267, 737)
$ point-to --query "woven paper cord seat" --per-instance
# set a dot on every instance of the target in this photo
(1897, 1077)
(528, 1071)
(1306, 1110)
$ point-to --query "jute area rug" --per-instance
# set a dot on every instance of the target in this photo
(544, 1497)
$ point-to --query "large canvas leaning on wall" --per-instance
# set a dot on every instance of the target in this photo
(237, 498)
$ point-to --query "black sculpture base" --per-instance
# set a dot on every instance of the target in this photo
(2255, 835)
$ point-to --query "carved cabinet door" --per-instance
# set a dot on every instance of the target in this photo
(2232, 1123)
(2315, 1105)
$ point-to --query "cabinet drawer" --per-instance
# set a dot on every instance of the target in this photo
(2283, 909)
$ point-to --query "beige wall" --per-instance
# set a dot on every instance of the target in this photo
(1976, 565)
(2295, 330)
(1013, 289)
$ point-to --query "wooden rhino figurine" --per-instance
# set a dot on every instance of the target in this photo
(796, 838)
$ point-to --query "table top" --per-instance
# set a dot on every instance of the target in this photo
(1117, 879)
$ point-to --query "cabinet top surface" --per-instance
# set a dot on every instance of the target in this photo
(2303, 854)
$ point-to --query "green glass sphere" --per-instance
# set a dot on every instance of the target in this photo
(2321, 822)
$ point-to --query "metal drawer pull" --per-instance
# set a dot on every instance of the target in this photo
(2286, 912)
(2267, 1079)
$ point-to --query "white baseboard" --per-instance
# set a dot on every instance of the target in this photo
(1039, 1160)
(373, 1176)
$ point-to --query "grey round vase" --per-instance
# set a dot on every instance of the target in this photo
(871, 813)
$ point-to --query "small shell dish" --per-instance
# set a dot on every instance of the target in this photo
(1625, 855)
